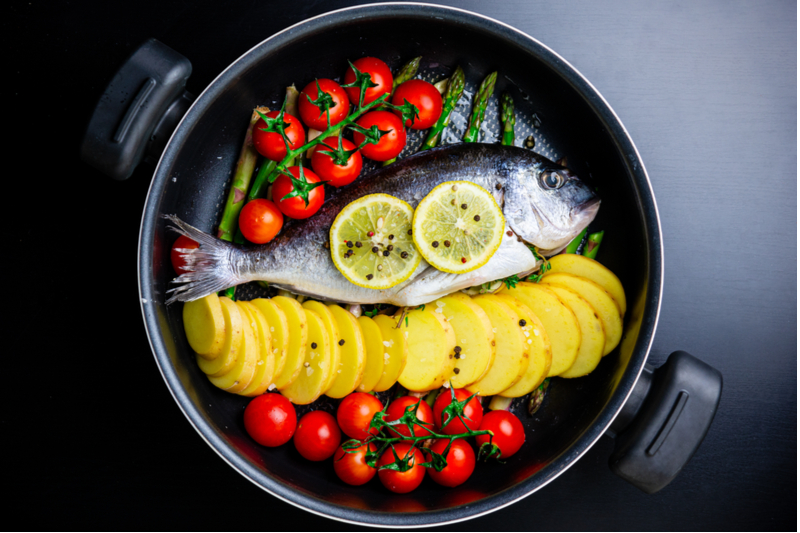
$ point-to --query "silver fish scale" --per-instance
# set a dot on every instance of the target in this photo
(490, 132)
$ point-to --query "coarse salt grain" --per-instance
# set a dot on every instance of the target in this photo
(388, 344)
(536, 332)
(439, 310)
(309, 371)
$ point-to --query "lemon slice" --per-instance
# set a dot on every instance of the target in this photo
(458, 227)
(371, 242)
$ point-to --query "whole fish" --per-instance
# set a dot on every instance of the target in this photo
(544, 205)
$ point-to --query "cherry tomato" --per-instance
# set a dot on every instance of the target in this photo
(355, 414)
(270, 419)
(473, 412)
(402, 482)
(333, 174)
(317, 436)
(460, 462)
(390, 144)
(352, 468)
(509, 434)
(295, 207)
(398, 407)
(311, 114)
(260, 220)
(270, 143)
(423, 95)
(379, 74)
(178, 262)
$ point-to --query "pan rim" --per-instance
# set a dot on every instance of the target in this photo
(491, 503)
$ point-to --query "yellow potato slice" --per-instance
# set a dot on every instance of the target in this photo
(449, 369)
(429, 350)
(590, 269)
(333, 332)
(316, 366)
(265, 365)
(353, 354)
(474, 337)
(602, 302)
(395, 352)
(559, 321)
(205, 326)
(278, 330)
(510, 361)
(593, 339)
(241, 374)
(295, 341)
(373, 342)
(233, 339)
(540, 356)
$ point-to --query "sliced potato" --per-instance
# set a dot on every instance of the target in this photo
(474, 337)
(510, 361)
(602, 302)
(449, 369)
(353, 354)
(205, 326)
(295, 341)
(593, 339)
(278, 330)
(316, 366)
(540, 355)
(265, 365)
(395, 351)
(590, 269)
(428, 350)
(233, 339)
(373, 342)
(333, 332)
(241, 374)
(559, 321)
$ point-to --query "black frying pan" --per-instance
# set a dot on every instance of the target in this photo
(658, 417)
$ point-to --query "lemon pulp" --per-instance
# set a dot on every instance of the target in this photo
(371, 242)
(458, 226)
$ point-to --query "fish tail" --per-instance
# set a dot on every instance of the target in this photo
(211, 265)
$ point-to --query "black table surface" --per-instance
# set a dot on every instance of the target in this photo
(707, 89)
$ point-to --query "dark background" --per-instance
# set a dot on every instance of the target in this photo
(91, 436)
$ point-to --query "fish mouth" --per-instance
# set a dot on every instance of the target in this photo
(588, 208)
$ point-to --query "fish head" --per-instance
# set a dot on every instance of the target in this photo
(547, 205)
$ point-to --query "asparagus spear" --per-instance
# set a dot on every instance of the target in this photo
(593, 244)
(241, 182)
(454, 89)
(574, 244)
(508, 118)
(407, 72)
(479, 107)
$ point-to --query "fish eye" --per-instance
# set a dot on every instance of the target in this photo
(551, 179)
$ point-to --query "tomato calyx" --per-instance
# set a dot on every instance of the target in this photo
(387, 437)
(455, 409)
(324, 102)
(371, 135)
(339, 155)
(408, 111)
(489, 450)
(363, 82)
(301, 186)
(277, 124)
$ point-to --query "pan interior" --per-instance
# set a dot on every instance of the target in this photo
(552, 103)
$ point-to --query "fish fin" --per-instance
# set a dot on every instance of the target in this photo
(210, 264)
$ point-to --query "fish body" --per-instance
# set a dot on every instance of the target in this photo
(544, 204)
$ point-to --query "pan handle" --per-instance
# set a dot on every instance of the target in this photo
(138, 110)
(664, 421)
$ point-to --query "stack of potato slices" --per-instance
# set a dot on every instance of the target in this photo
(492, 344)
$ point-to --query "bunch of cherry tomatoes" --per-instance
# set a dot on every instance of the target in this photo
(271, 420)
(260, 220)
